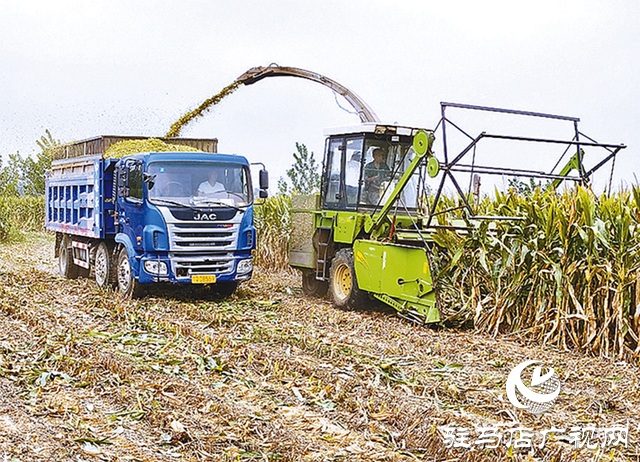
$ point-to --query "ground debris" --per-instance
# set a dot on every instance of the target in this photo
(264, 375)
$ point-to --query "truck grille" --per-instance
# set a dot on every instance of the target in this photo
(202, 248)
(199, 236)
(186, 264)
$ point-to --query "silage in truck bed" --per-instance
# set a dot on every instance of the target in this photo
(111, 146)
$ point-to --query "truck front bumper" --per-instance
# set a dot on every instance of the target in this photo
(195, 271)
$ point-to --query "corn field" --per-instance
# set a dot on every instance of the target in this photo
(19, 214)
(270, 375)
(566, 275)
(273, 224)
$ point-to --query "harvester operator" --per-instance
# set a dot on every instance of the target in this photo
(375, 172)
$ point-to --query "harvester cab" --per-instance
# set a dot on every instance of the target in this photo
(362, 163)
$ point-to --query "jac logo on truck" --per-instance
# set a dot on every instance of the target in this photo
(205, 216)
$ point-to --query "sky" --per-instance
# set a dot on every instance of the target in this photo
(81, 69)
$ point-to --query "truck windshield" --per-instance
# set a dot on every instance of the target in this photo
(206, 184)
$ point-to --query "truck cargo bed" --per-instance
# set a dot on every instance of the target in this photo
(78, 197)
(79, 193)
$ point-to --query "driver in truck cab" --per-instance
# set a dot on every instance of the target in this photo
(212, 185)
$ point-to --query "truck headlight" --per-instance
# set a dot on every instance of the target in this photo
(156, 267)
(244, 266)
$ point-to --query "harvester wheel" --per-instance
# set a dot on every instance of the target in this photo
(312, 286)
(343, 283)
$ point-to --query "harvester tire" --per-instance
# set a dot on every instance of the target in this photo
(313, 287)
(344, 284)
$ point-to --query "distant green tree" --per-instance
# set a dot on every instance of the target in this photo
(33, 170)
(26, 176)
(283, 186)
(303, 174)
(10, 176)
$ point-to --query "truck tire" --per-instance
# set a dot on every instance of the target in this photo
(344, 284)
(128, 285)
(68, 269)
(104, 267)
(313, 287)
(225, 289)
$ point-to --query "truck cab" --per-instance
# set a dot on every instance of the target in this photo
(179, 229)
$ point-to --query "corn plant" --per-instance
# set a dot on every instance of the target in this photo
(18, 214)
(565, 274)
(273, 224)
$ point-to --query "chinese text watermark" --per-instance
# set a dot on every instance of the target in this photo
(519, 437)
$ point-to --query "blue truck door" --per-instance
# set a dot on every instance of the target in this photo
(131, 201)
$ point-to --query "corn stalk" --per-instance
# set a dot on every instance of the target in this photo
(566, 275)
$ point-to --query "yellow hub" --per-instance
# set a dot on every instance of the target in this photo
(342, 282)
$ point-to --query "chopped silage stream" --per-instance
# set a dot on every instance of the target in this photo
(265, 375)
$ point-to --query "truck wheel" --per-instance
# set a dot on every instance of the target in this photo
(127, 284)
(225, 289)
(104, 267)
(343, 283)
(68, 269)
(312, 286)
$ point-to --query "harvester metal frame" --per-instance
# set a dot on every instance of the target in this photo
(575, 163)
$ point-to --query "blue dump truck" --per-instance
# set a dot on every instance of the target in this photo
(151, 217)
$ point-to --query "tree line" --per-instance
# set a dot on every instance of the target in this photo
(25, 176)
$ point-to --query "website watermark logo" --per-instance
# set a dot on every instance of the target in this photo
(541, 393)
(534, 389)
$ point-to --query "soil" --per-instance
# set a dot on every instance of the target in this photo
(270, 374)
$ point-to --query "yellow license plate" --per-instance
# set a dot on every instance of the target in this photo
(203, 278)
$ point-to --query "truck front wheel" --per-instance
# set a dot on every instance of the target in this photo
(67, 267)
(343, 283)
(104, 267)
(127, 283)
(225, 289)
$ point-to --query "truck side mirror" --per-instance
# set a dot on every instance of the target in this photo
(263, 194)
(264, 180)
(149, 179)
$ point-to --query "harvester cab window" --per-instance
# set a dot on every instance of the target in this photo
(343, 172)
(377, 172)
(353, 170)
(384, 164)
(333, 187)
